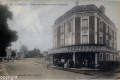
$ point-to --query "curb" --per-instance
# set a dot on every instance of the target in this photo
(85, 72)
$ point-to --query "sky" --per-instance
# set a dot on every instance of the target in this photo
(33, 21)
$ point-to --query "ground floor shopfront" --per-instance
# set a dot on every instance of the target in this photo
(84, 56)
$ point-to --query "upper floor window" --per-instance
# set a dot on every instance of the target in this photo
(110, 43)
(115, 45)
(55, 43)
(84, 39)
(106, 37)
(84, 24)
(62, 29)
(69, 27)
(84, 8)
(55, 33)
(101, 40)
(109, 30)
(115, 35)
(106, 28)
(101, 25)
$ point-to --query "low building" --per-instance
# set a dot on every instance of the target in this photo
(45, 53)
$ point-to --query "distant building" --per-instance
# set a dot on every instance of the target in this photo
(8, 52)
(18, 55)
(85, 36)
(45, 53)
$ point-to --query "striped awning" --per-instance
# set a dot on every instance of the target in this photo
(77, 49)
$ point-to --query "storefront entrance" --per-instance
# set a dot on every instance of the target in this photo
(62, 58)
(82, 59)
(85, 59)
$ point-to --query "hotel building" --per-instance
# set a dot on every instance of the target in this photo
(85, 36)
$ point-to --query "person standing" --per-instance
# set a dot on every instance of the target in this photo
(47, 64)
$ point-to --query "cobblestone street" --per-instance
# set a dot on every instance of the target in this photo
(31, 70)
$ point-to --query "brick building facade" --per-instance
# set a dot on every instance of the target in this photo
(85, 36)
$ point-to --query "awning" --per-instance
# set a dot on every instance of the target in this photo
(72, 49)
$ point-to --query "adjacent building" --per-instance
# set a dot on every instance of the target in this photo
(85, 37)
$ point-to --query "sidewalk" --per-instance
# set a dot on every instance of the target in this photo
(3, 71)
(86, 71)
(92, 72)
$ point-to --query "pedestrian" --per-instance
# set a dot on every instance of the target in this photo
(47, 64)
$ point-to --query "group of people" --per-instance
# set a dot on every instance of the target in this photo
(65, 65)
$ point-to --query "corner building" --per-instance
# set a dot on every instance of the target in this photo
(85, 37)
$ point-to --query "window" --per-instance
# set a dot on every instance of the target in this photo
(112, 32)
(69, 27)
(107, 56)
(115, 57)
(55, 34)
(101, 40)
(106, 28)
(84, 8)
(85, 39)
(111, 57)
(101, 25)
(110, 43)
(101, 57)
(62, 29)
(55, 43)
(106, 37)
(84, 24)
(107, 43)
(115, 35)
(62, 42)
(114, 46)
(109, 30)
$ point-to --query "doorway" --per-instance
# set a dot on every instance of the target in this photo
(85, 59)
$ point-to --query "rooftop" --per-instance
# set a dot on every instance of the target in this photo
(90, 8)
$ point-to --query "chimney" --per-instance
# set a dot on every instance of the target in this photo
(102, 9)
(77, 3)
